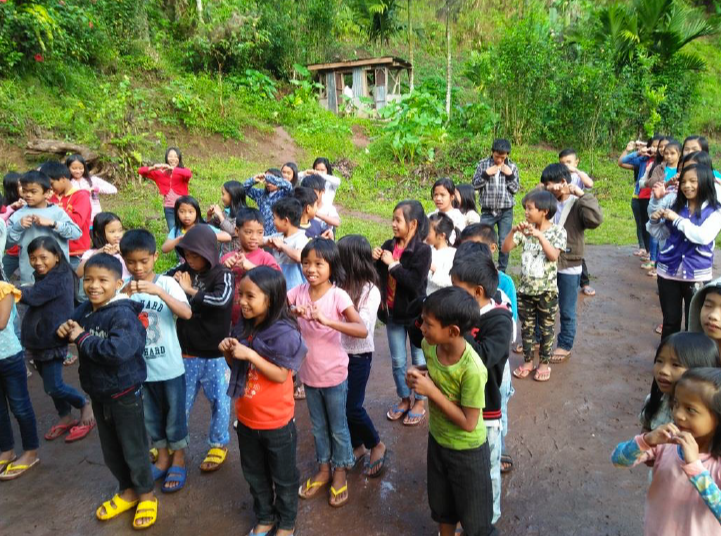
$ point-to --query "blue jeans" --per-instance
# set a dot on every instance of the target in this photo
(169, 213)
(212, 375)
(567, 296)
(362, 431)
(397, 334)
(14, 394)
(507, 392)
(164, 410)
(326, 406)
(65, 397)
(493, 436)
(503, 219)
(653, 243)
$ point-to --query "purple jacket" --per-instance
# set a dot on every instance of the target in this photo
(695, 260)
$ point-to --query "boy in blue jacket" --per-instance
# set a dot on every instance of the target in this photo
(111, 339)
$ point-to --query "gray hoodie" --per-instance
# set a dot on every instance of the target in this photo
(694, 313)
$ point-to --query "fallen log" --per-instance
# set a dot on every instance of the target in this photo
(99, 167)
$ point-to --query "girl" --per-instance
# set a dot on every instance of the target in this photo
(186, 214)
(322, 167)
(402, 264)
(232, 195)
(324, 312)
(83, 180)
(290, 173)
(265, 347)
(361, 284)
(50, 303)
(14, 393)
(443, 194)
(675, 355)
(649, 263)
(684, 496)
(440, 229)
(107, 233)
(274, 189)
(689, 229)
(466, 198)
(172, 180)
(693, 144)
(13, 201)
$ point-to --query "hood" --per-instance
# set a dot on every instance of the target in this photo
(694, 313)
(201, 240)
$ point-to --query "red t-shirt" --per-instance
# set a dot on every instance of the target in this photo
(266, 405)
(77, 205)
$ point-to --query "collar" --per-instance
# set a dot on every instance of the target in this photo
(490, 305)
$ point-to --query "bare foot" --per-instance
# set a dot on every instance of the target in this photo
(7, 456)
(359, 452)
(377, 454)
(339, 482)
(128, 495)
(418, 412)
(399, 409)
(87, 417)
(284, 532)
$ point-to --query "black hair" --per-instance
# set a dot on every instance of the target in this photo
(294, 169)
(248, 214)
(473, 264)
(673, 143)
(100, 221)
(658, 158)
(567, 152)
(177, 151)
(706, 189)
(327, 250)
(86, 171)
(290, 208)
(555, 173)
(453, 306)
(106, 262)
(49, 244)
(443, 224)
(187, 200)
(700, 158)
(306, 196)
(275, 172)
(702, 141)
(450, 187)
(501, 145)
(692, 350)
(468, 198)
(36, 177)
(237, 196)
(543, 200)
(325, 161)
(271, 283)
(710, 376)
(357, 261)
(10, 187)
(138, 240)
(314, 182)
(55, 170)
(413, 211)
(483, 231)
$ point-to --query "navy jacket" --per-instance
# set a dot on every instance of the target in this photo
(111, 347)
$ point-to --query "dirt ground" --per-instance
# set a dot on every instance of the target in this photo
(561, 437)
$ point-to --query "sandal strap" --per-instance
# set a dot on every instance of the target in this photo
(340, 491)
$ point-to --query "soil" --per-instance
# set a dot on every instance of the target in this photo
(561, 436)
(360, 138)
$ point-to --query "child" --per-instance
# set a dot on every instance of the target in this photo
(209, 289)
(309, 202)
(402, 264)
(14, 394)
(172, 180)
(440, 231)
(265, 347)
(443, 194)
(674, 356)
(322, 168)
(497, 181)
(111, 339)
(289, 172)
(326, 212)
(50, 303)
(324, 313)
(75, 202)
(232, 195)
(163, 303)
(684, 496)
(466, 198)
(289, 241)
(705, 311)
(459, 482)
(361, 284)
(186, 215)
(689, 230)
(107, 233)
(542, 242)
(249, 228)
(577, 211)
(274, 189)
(12, 202)
(82, 180)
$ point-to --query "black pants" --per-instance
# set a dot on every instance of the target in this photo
(121, 427)
(643, 205)
(585, 277)
(459, 488)
(362, 431)
(268, 461)
(675, 298)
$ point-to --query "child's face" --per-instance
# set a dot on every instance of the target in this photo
(173, 159)
(196, 262)
(114, 232)
(432, 330)
(710, 316)
(442, 199)
(533, 215)
(671, 155)
(690, 412)
(315, 269)
(225, 197)
(477, 291)
(34, 195)
(101, 285)
(251, 235)
(432, 238)
(281, 224)
(60, 186)
(667, 369)
(689, 185)
(320, 167)
(653, 148)
(187, 215)
(480, 240)
(691, 146)
(141, 264)
(570, 160)
(253, 302)
(287, 173)
(43, 261)
(499, 158)
(399, 224)
(661, 147)
(270, 187)
(76, 170)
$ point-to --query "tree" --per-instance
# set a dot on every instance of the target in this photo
(199, 9)
(449, 11)
(379, 17)
(410, 42)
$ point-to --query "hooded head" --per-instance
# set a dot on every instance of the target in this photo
(200, 240)
(694, 314)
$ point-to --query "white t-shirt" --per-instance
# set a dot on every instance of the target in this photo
(459, 220)
(368, 311)
(443, 261)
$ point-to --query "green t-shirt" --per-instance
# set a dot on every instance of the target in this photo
(464, 384)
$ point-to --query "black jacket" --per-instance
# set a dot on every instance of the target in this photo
(51, 301)
(411, 277)
(111, 347)
(213, 303)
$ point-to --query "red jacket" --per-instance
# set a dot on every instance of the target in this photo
(77, 205)
(177, 181)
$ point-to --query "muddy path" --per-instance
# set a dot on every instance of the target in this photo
(561, 436)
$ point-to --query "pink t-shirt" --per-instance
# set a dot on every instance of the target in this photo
(326, 363)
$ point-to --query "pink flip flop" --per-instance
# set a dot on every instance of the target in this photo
(79, 432)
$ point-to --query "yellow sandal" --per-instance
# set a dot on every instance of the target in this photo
(114, 507)
(303, 490)
(146, 510)
(217, 456)
(334, 495)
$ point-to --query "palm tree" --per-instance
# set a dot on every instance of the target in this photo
(380, 18)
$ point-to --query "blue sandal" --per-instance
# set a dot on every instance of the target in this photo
(158, 474)
(399, 413)
(175, 474)
(414, 419)
(371, 466)
(253, 533)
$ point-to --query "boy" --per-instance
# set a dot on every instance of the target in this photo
(110, 339)
(163, 301)
(542, 242)
(274, 189)
(583, 181)
(705, 311)
(289, 241)
(308, 222)
(326, 211)
(459, 483)
(38, 218)
(576, 212)
(209, 289)
(75, 202)
(497, 181)
(249, 228)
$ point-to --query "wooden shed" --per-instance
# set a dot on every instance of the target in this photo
(375, 78)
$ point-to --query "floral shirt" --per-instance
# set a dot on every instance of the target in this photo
(538, 274)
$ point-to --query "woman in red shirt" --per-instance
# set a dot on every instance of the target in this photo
(172, 180)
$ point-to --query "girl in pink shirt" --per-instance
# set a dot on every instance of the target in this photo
(325, 312)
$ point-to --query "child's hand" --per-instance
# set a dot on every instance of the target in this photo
(260, 177)
(387, 257)
(215, 210)
(241, 352)
(111, 249)
(26, 222)
(377, 252)
(276, 242)
(317, 315)
(20, 203)
(145, 287)
(688, 445)
(658, 190)
(183, 279)
(43, 222)
(506, 169)
(419, 382)
(533, 231)
(663, 434)
(299, 311)
(328, 233)
(630, 146)
(670, 215)
(227, 345)
(575, 190)
(492, 170)
(657, 215)
(70, 330)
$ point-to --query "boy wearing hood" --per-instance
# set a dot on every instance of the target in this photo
(705, 311)
(209, 287)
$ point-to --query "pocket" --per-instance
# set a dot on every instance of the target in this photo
(132, 400)
(707, 254)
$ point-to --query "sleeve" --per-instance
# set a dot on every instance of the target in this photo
(666, 201)
(67, 228)
(368, 308)
(269, 260)
(700, 234)
(514, 183)
(658, 229)
(14, 229)
(103, 187)
(279, 182)
(172, 287)
(219, 295)
(43, 291)
(144, 172)
(412, 278)
(480, 179)
(293, 294)
(342, 301)
(82, 210)
(121, 345)
(442, 276)
(251, 191)
(591, 215)
(558, 238)
(9, 211)
(183, 174)
(473, 388)
(632, 453)
(228, 225)
(491, 345)
(706, 486)
(632, 159)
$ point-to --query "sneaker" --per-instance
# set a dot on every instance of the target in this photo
(648, 265)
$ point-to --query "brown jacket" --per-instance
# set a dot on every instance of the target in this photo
(584, 213)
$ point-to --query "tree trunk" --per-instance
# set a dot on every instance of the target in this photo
(199, 9)
(448, 60)
(410, 44)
